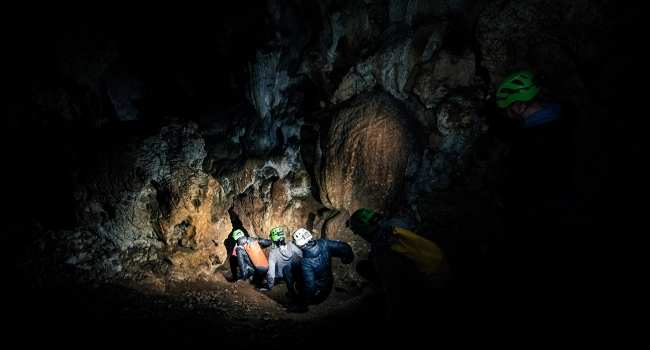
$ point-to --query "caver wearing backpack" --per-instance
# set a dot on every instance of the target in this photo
(252, 262)
(401, 263)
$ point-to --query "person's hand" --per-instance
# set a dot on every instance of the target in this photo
(297, 309)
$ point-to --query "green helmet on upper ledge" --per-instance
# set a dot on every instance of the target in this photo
(518, 86)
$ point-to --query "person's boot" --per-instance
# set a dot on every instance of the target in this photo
(292, 294)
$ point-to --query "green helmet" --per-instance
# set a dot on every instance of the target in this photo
(277, 234)
(236, 234)
(518, 86)
(363, 221)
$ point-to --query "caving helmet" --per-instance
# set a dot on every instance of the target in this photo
(236, 234)
(518, 86)
(301, 237)
(277, 235)
(363, 221)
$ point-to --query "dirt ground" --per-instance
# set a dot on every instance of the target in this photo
(565, 308)
(215, 312)
(580, 288)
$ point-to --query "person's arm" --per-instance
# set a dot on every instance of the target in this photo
(297, 253)
(264, 243)
(270, 274)
(341, 250)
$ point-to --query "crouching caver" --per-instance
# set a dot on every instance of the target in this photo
(310, 279)
(252, 262)
(282, 254)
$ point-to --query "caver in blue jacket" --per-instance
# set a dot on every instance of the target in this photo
(314, 272)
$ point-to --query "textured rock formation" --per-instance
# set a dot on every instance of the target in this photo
(161, 125)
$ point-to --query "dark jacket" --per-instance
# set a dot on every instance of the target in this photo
(279, 257)
(393, 269)
(538, 165)
(317, 265)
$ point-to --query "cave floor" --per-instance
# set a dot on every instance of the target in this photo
(584, 284)
(476, 312)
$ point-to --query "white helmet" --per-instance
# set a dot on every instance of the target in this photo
(301, 237)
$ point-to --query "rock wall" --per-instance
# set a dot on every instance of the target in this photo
(290, 114)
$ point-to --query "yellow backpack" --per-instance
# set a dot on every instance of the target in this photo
(425, 255)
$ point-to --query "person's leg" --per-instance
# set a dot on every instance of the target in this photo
(234, 266)
(260, 274)
(292, 274)
(322, 295)
(244, 262)
(288, 277)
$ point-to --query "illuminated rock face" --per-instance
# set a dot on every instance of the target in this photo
(371, 149)
(293, 116)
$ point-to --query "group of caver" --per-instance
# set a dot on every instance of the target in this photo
(304, 265)
(537, 191)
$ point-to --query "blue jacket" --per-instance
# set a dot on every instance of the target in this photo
(317, 265)
(279, 257)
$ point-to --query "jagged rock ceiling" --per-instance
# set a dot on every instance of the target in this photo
(131, 133)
